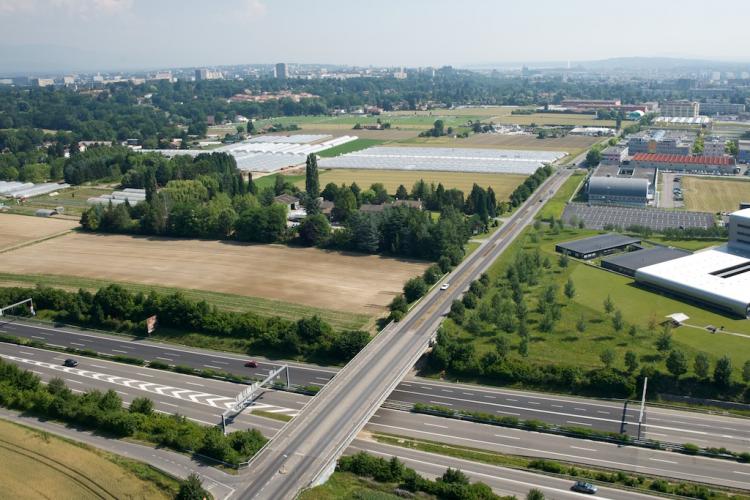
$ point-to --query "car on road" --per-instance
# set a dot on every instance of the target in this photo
(70, 362)
(251, 364)
(445, 286)
(584, 487)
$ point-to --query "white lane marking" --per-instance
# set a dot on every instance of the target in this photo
(144, 375)
(579, 409)
(425, 388)
(441, 403)
(213, 367)
(557, 406)
(602, 412)
(38, 337)
(507, 437)
(446, 390)
(511, 399)
(436, 425)
(218, 362)
(26, 353)
(581, 448)
(664, 461)
(490, 397)
(125, 347)
(324, 379)
(168, 404)
(99, 366)
(117, 350)
(76, 343)
(578, 423)
(533, 403)
(74, 381)
(743, 473)
(467, 394)
(507, 413)
(195, 384)
(123, 393)
(165, 359)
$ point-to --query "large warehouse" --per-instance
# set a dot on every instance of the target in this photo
(685, 163)
(602, 244)
(629, 262)
(618, 191)
(718, 277)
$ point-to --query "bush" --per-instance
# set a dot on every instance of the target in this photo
(414, 289)
(546, 466)
(158, 365)
(690, 448)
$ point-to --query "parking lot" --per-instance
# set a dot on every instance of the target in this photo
(599, 217)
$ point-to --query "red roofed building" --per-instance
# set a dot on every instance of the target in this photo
(687, 163)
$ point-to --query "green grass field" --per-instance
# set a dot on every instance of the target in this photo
(265, 307)
(706, 194)
(555, 205)
(564, 345)
(502, 184)
(39, 465)
(350, 147)
(345, 486)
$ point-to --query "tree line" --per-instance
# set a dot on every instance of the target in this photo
(104, 412)
(115, 308)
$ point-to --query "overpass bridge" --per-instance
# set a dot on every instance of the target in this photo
(307, 447)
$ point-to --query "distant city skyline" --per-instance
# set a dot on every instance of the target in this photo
(81, 35)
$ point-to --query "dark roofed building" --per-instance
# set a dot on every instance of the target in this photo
(292, 202)
(618, 191)
(603, 244)
(628, 263)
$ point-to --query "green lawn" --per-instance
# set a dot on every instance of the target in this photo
(270, 180)
(345, 485)
(555, 205)
(264, 307)
(565, 345)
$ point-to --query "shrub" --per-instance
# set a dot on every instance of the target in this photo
(414, 289)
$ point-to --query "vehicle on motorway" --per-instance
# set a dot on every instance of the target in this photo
(70, 362)
(445, 286)
(251, 364)
(584, 487)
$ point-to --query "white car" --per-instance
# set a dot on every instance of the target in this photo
(445, 286)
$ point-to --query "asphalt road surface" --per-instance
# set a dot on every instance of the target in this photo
(660, 423)
(202, 400)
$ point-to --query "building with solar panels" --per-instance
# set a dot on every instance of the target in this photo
(619, 191)
(595, 246)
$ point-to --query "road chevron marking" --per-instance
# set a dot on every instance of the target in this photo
(204, 398)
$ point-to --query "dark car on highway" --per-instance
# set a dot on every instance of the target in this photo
(70, 362)
(251, 364)
(584, 487)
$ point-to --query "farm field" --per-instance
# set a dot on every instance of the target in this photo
(351, 283)
(705, 194)
(20, 229)
(503, 184)
(38, 465)
(571, 144)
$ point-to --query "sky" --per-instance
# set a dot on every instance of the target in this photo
(85, 34)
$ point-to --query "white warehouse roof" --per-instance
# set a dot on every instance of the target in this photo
(716, 276)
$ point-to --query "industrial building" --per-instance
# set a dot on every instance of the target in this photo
(714, 146)
(618, 191)
(629, 262)
(685, 163)
(714, 107)
(719, 278)
(602, 244)
(687, 109)
(660, 141)
(590, 104)
(614, 155)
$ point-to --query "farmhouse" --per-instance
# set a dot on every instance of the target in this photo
(719, 277)
(292, 202)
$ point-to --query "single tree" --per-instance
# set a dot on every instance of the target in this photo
(631, 361)
(581, 324)
(608, 357)
(502, 346)
(563, 261)
(677, 363)
(401, 193)
(312, 182)
(191, 489)
(523, 347)
(609, 306)
(701, 365)
(617, 322)
(664, 341)
(535, 494)
(633, 331)
(570, 289)
(723, 372)
(746, 372)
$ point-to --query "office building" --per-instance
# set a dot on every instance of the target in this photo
(280, 71)
(685, 109)
(716, 107)
(685, 163)
(207, 74)
(714, 146)
(614, 155)
(660, 142)
(743, 153)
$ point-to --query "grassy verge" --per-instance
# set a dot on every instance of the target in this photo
(345, 485)
(617, 479)
(555, 205)
(228, 302)
(59, 466)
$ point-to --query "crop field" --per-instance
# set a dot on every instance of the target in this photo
(705, 194)
(503, 184)
(19, 229)
(37, 465)
(349, 283)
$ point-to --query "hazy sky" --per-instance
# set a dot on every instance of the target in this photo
(171, 33)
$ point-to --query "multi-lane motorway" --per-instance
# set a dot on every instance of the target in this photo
(203, 400)
(660, 423)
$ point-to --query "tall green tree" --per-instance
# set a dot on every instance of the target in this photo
(312, 181)
(701, 365)
(723, 371)
(192, 489)
(677, 363)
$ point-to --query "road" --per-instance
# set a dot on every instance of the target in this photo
(201, 400)
(661, 423)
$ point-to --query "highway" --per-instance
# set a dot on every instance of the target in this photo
(202, 400)
(661, 424)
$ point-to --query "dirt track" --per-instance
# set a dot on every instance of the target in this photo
(309, 276)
